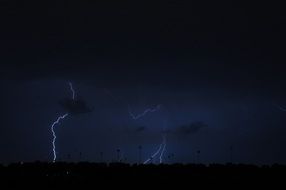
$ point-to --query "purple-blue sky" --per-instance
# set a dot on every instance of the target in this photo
(217, 71)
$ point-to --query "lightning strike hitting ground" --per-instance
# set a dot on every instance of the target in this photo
(162, 146)
(161, 149)
(54, 134)
(153, 156)
(57, 122)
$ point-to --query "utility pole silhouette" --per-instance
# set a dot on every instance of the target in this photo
(69, 157)
(140, 154)
(101, 156)
(118, 155)
(170, 157)
(198, 156)
(231, 153)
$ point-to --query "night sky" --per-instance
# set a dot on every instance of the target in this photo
(216, 68)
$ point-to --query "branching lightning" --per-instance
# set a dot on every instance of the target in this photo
(135, 117)
(57, 122)
(154, 155)
(160, 150)
(131, 114)
(162, 147)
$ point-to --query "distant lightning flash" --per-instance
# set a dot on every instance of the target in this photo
(135, 117)
(73, 92)
(57, 122)
(132, 115)
(161, 149)
(280, 107)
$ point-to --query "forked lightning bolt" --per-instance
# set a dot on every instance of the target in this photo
(161, 149)
(57, 122)
(153, 156)
(135, 117)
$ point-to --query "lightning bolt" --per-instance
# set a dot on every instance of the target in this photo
(161, 149)
(153, 156)
(57, 122)
(54, 134)
(135, 117)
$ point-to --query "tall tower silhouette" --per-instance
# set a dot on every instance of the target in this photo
(118, 155)
(139, 154)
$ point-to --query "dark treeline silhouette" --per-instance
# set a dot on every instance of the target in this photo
(51, 175)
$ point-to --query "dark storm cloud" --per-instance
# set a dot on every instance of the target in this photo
(204, 60)
(229, 48)
(75, 107)
(189, 129)
(132, 129)
(141, 129)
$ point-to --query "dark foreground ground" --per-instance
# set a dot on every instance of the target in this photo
(123, 176)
